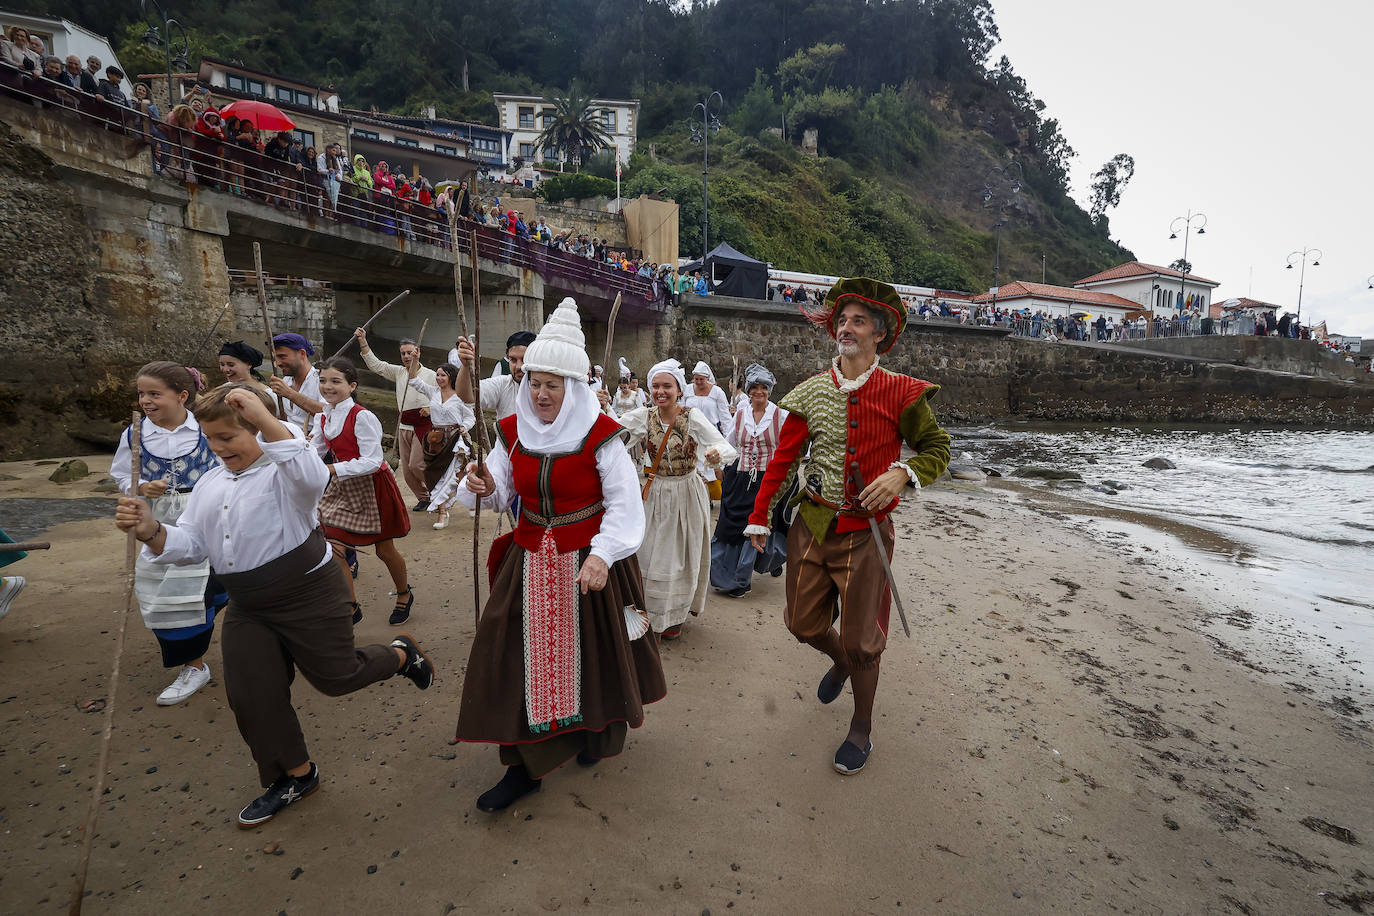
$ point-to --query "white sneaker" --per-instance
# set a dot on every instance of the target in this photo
(188, 682)
(10, 587)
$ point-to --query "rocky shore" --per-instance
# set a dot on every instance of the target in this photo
(1065, 733)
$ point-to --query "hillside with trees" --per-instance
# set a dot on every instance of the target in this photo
(910, 115)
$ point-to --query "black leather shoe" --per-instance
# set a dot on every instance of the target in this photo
(515, 785)
(401, 612)
(284, 791)
(357, 613)
(585, 759)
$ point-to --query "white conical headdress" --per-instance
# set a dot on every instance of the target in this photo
(624, 368)
(560, 348)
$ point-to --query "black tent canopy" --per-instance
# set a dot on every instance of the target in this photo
(731, 273)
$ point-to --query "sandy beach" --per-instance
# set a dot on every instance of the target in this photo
(1066, 732)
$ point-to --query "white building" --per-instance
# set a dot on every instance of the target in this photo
(1059, 300)
(526, 115)
(62, 37)
(1153, 287)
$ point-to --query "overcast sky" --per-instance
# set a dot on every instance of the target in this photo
(1256, 113)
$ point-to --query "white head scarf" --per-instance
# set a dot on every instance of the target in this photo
(575, 418)
(703, 369)
(668, 367)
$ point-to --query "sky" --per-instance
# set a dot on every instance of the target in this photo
(1255, 113)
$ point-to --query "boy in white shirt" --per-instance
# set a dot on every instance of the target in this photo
(288, 604)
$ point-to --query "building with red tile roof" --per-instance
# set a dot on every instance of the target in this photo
(1152, 287)
(1058, 300)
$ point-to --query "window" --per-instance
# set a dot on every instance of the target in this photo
(294, 97)
(546, 117)
(527, 117)
(305, 98)
(307, 137)
(406, 141)
(446, 150)
(234, 82)
(608, 119)
(367, 135)
(527, 151)
(256, 87)
(285, 95)
(485, 145)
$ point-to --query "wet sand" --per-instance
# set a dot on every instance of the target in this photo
(1065, 733)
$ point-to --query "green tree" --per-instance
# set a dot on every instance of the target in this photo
(1107, 184)
(575, 129)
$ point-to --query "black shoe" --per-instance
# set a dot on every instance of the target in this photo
(357, 613)
(777, 572)
(850, 758)
(417, 666)
(740, 592)
(401, 612)
(515, 785)
(585, 759)
(830, 688)
(421, 506)
(283, 792)
(351, 558)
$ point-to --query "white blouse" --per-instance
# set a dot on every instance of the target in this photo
(700, 428)
(367, 429)
(744, 422)
(622, 524)
(452, 412)
(222, 521)
(164, 443)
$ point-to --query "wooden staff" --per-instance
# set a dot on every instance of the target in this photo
(196, 355)
(367, 324)
(103, 760)
(610, 335)
(479, 439)
(421, 339)
(23, 546)
(266, 319)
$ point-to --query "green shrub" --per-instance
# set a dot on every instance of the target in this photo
(575, 187)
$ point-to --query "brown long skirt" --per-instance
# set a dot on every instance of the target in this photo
(619, 675)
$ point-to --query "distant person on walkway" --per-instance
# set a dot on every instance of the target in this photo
(853, 413)
(109, 88)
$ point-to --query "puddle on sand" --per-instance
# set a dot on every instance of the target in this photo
(24, 519)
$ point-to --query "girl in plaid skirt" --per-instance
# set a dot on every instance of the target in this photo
(362, 505)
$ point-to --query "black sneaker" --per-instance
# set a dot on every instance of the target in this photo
(515, 785)
(283, 792)
(417, 666)
(401, 612)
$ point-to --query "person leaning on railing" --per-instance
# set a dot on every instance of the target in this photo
(14, 49)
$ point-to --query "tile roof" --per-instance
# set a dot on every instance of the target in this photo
(358, 112)
(1021, 289)
(1140, 269)
(380, 120)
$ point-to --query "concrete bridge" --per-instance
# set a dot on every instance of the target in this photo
(169, 218)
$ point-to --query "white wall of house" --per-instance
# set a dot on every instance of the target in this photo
(1143, 290)
(1054, 307)
(523, 115)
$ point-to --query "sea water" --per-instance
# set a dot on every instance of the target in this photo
(1283, 519)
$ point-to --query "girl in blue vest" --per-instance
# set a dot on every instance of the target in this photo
(178, 603)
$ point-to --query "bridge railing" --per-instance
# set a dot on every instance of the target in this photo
(220, 165)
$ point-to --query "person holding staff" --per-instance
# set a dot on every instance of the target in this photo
(413, 425)
(445, 450)
(288, 604)
(562, 665)
(298, 386)
(855, 416)
(178, 605)
(676, 553)
(362, 506)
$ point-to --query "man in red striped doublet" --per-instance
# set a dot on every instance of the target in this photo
(854, 412)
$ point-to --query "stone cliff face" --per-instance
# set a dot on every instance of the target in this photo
(99, 278)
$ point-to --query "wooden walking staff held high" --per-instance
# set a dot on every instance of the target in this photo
(102, 764)
(479, 441)
(266, 319)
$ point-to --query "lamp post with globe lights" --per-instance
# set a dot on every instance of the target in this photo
(1187, 226)
(1301, 258)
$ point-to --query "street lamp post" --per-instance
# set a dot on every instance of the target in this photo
(1187, 222)
(1301, 257)
(708, 110)
(999, 190)
(163, 39)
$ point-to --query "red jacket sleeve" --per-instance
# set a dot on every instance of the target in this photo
(794, 435)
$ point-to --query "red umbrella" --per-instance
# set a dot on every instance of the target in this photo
(264, 115)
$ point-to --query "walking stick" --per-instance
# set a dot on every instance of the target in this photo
(479, 440)
(266, 320)
(367, 324)
(610, 334)
(23, 546)
(196, 355)
(421, 339)
(882, 554)
(103, 759)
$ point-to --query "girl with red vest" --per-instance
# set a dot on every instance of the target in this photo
(362, 505)
(562, 664)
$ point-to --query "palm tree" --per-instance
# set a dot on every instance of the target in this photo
(574, 129)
